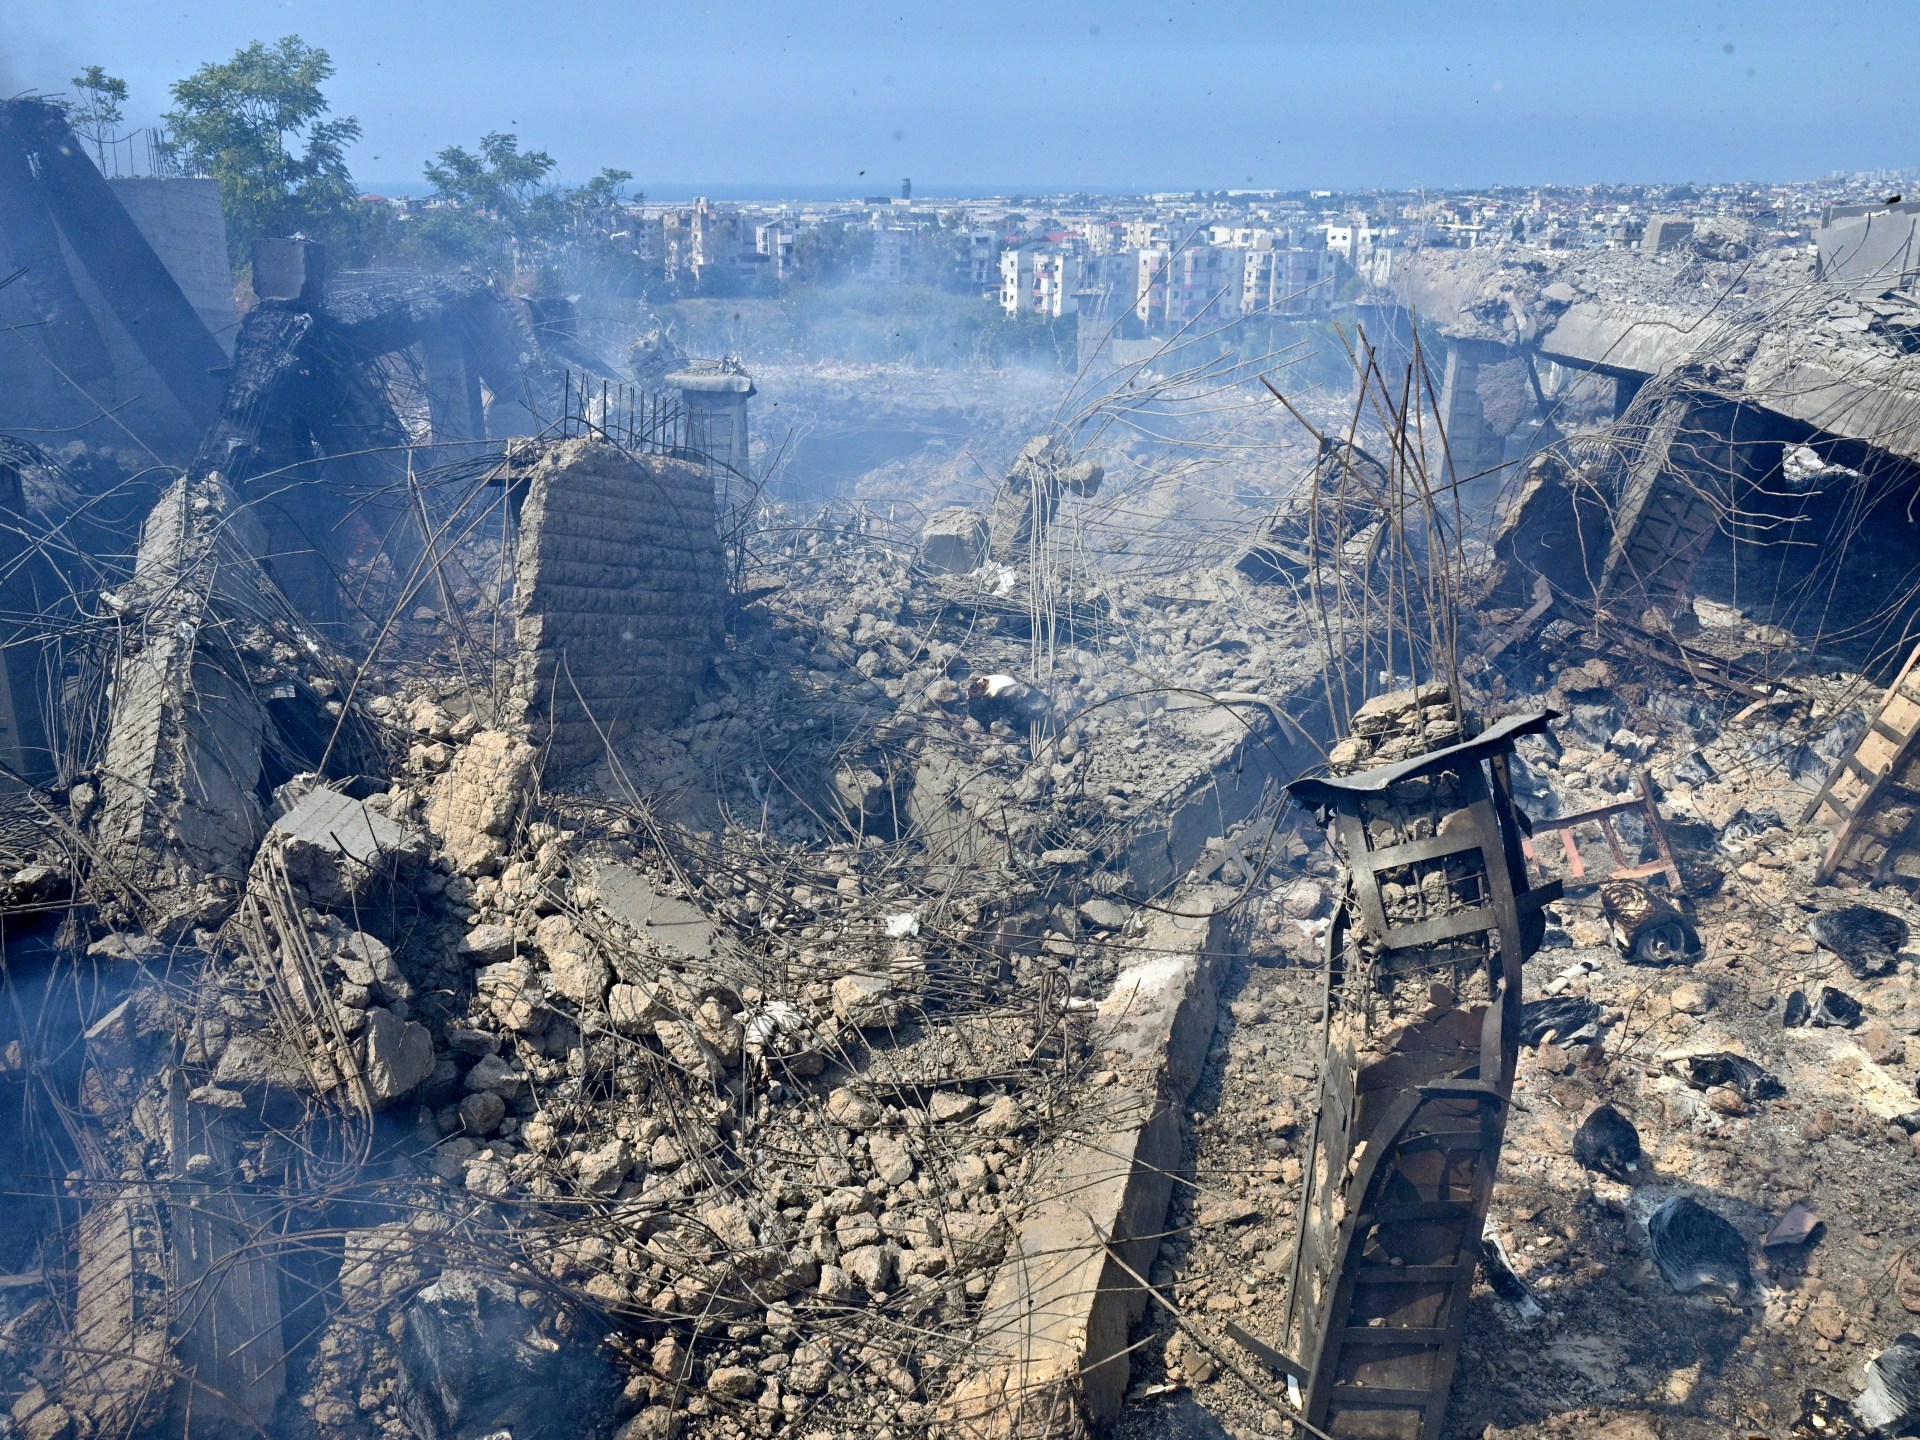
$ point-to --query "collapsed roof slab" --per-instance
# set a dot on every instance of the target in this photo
(1774, 355)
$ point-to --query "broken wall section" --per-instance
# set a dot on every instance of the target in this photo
(619, 592)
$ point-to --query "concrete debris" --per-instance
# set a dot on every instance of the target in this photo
(618, 599)
(336, 849)
(522, 922)
(953, 542)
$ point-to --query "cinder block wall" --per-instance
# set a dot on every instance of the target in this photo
(619, 592)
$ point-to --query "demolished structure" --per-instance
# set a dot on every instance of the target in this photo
(512, 928)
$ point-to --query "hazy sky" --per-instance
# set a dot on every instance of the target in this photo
(1029, 94)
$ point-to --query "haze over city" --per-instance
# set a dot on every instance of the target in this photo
(1011, 96)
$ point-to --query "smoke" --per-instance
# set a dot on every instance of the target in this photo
(34, 61)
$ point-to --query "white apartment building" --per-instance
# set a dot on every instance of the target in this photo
(1039, 280)
(1287, 278)
(892, 258)
(1202, 283)
(775, 241)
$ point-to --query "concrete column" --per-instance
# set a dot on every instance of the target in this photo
(1474, 445)
(716, 402)
(24, 747)
(453, 390)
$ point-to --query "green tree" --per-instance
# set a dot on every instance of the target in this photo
(256, 123)
(492, 204)
(95, 115)
(501, 179)
(832, 252)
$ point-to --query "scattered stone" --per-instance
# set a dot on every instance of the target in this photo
(892, 1161)
(487, 944)
(733, 1382)
(1002, 1117)
(1691, 998)
(868, 1002)
(870, 1266)
(603, 1169)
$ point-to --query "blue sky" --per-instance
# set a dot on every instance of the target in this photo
(849, 97)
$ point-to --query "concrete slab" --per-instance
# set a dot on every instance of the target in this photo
(335, 846)
(675, 926)
(1050, 1356)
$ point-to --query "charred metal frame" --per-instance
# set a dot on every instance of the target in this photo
(1405, 1146)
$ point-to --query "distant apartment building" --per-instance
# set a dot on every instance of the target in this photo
(1201, 283)
(1039, 280)
(648, 234)
(701, 239)
(1349, 239)
(1285, 277)
(892, 260)
(774, 241)
(978, 262)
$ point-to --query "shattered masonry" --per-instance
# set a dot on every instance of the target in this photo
(1344, 911)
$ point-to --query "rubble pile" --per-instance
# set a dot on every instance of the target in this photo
(1787, 1132)
(520, 925)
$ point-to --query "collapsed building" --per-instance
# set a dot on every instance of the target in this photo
(504, 937)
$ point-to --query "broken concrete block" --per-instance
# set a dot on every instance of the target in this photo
(604, 1169)
(574, 966)
(870, 1266)
(675, 927)
(121, 946)
(487, 945)
(473, 806)
(493, 1074)
(682, 1042)
(949, 1105)
(851, 1109)
(253, 1062)
(619, 592)
(892, 1161)
(38, 1417)
(481, 1111)
(869, 1002)
(1002, 1117)
(953, 541)
(514, 995)
(633, 1008)
(367, 961)
(336, 848)
(395, 1055)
